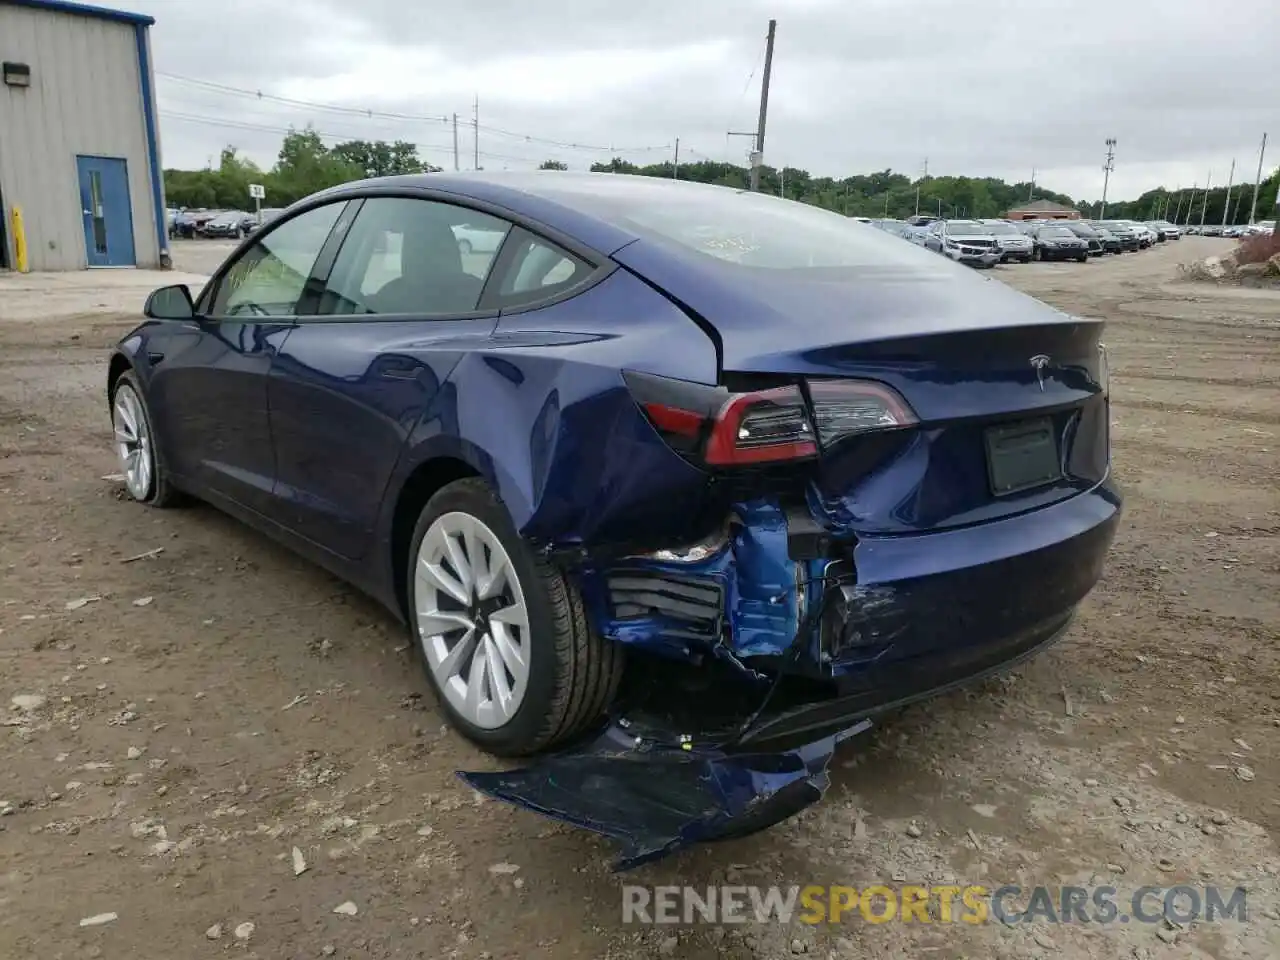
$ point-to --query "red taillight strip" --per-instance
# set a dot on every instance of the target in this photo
(685, 423)
(722, 446)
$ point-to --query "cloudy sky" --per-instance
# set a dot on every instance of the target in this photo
(978, 87)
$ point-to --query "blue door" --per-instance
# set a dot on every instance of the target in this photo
(108, 215)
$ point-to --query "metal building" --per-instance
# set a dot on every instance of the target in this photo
(79, 140)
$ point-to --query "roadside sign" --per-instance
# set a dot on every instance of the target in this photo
(257, 191)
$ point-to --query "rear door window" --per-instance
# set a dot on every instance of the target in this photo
(406, 255)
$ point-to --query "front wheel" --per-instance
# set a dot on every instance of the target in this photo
(145, 477)
(503, 635)
(1084, 258)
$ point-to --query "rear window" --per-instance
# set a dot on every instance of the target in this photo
(735, 226)
(1001, 229)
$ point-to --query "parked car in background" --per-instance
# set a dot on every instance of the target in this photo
(1086, 233)
(1159, 232)
(965, 241)
(1171, 231)
(637, 472)
(1127, 236)
(230, 224)
(476, 239)
(895, 227)
(1053, 241)
(1013, 243)
(187, 222)
(1146, 236)
(1261, 227)
(1110, 242)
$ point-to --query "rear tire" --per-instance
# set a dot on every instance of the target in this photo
(545, 674)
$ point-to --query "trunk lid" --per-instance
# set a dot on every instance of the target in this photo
(994, 376)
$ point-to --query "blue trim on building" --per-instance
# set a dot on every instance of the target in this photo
(85, 10)
(153, 142)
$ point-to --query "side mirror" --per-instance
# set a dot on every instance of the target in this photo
(170, 303)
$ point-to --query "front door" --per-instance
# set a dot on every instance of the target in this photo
(209, 386)
(107, 213)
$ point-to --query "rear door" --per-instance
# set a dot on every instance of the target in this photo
(397, 309)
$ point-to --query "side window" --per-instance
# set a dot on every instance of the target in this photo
(411, 256)
(537, 269)
(268, 278)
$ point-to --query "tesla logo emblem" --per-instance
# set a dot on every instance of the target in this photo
(1038, 363)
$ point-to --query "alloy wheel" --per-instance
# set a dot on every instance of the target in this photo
(133, 442)
(471, 619)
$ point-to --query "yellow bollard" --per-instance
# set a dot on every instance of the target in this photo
(19, 242)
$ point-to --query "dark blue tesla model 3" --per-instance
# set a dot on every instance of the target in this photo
(725, 468)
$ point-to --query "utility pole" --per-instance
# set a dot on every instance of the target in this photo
(476, 122)
(764, 106)
(1257, 181)
(675, 165)
(920, 181)
(1106, 173)
(1226, 201)
(1031, 191)
(455, 142)
(782, 183)
(1204, 203)
(1178, 214)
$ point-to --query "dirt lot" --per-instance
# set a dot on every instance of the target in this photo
(184, 721)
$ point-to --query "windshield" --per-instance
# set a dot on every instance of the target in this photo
(1055, 232)
(1000, 229)
(1082, 230)
(749, 229)
(968, 228)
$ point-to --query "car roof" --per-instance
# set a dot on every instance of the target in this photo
(559, 199)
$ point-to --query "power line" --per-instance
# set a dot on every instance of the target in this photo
(228, 90)
(322, 134)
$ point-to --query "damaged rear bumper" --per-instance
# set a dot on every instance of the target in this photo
(654, 799)
(757, 656)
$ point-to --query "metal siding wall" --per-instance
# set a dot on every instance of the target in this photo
(85, 98)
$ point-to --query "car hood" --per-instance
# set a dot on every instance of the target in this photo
(815, 320)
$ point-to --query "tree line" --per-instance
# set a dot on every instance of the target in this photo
(305, 164)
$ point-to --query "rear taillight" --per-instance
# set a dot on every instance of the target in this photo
(718, 428)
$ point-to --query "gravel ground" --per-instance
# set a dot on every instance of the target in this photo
(175, 727)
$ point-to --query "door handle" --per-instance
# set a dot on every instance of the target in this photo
(154, 358)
